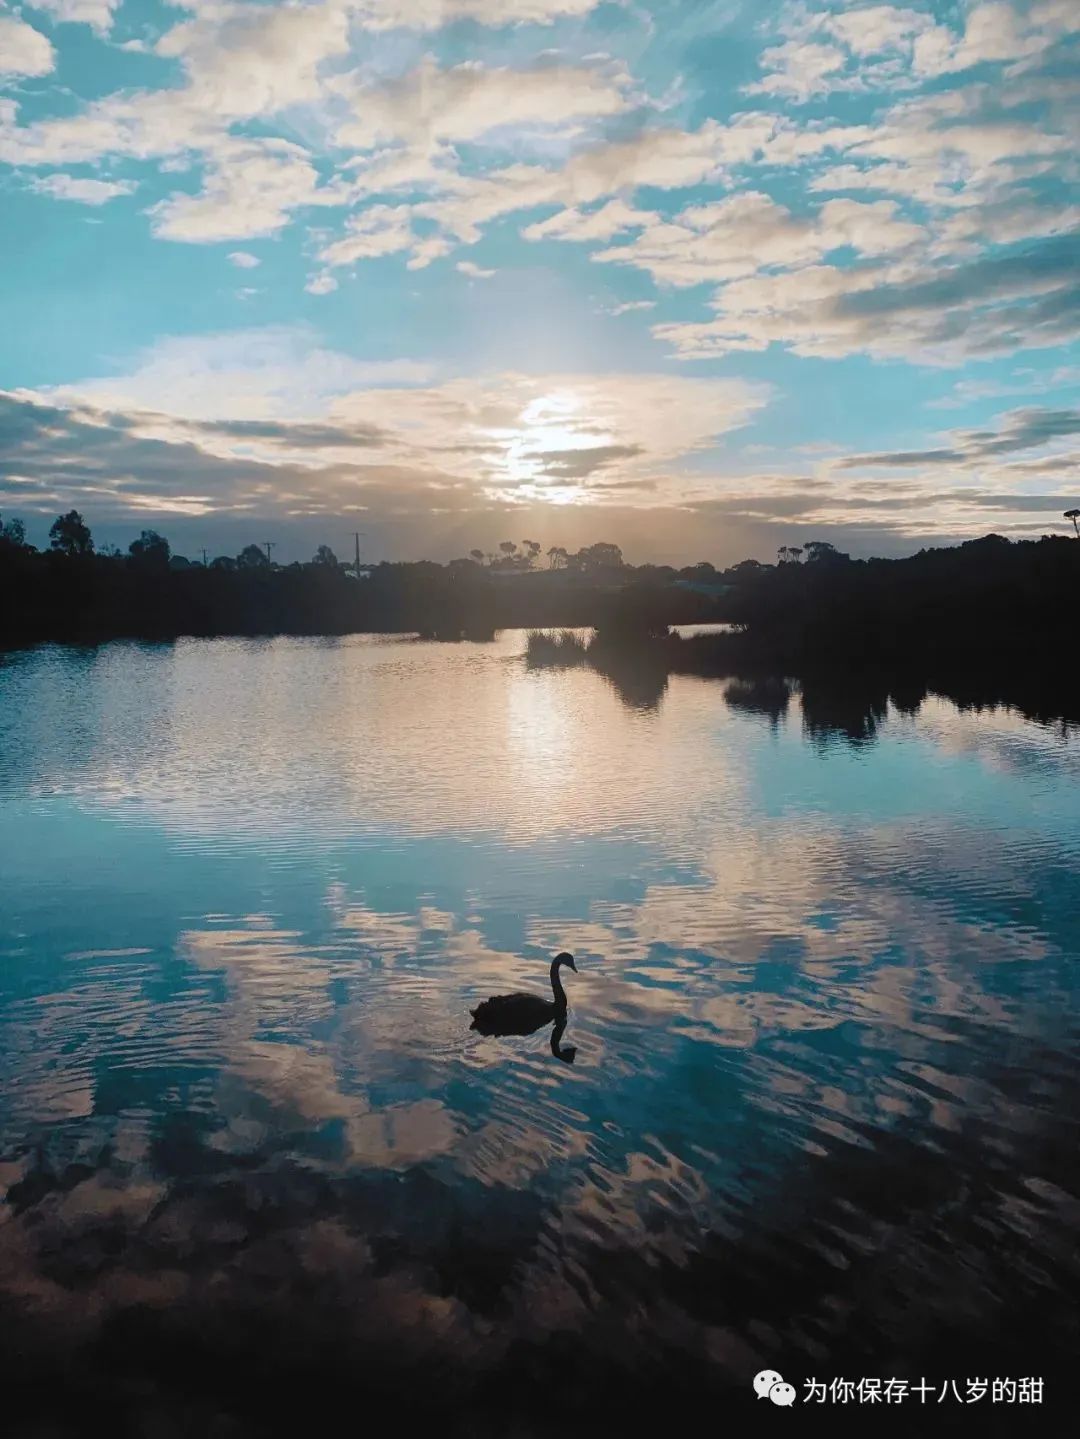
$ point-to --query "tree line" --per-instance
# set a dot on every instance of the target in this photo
(985, 595)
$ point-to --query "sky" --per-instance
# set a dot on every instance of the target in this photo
(699, 277)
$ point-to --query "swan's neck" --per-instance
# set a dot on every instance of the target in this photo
(556, 986)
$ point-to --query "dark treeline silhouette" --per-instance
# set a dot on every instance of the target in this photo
(956, 607)
(985, 623)
(75, 592)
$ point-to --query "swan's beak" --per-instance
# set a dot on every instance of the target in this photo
(570, 962)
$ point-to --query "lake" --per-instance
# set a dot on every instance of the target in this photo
(815, 1108)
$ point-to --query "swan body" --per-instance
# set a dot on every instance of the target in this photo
(524, 1013)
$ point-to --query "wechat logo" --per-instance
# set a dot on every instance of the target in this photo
(769, 1384)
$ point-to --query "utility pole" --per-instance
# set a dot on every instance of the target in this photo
(270, 545)
(204, 564)
(356, 537)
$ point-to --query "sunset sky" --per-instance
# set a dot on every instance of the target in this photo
(701, 277)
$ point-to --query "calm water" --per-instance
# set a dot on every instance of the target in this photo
(821, 1113)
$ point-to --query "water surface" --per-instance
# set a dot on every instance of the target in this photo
(821, 1109)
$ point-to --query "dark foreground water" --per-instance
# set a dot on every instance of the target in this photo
(815, 1110)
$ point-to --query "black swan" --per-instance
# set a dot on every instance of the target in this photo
(524, 1013)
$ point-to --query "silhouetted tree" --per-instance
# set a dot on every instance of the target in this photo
(532, 549)
(477, 555)
(601, 556)
(1074, 515)
(252, 557)
(70, 535)
(150, 551)
(509, 548)
(13, 532)
(820, 552)
(557, 557)
(325, 557)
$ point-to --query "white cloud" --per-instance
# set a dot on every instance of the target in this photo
(243, 261)
(430, 105)
(98, 14)
(249, 189)
(341, 431)
(663, 158)
(321, 285)
(799, 70)
(889, 47)
(377, 231)
(433, 14)
(23, 50)
(245, 60)
(990, 305)
(996, 33)
(609, 220)
(274, 371)
(748, 232)
(878, 29)
(82, 191)
(474, 272)
(629, 306)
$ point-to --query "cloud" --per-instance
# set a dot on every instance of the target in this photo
(433, 14)
(375, 232)
(1028, 429)
(243, 261)
(993, 304)
(245, 60)
(602, 224)
(23, 50)
(260, 419)
(629, 306)
(277, 371)
(321, 285)
(878, 29)
(750, 232)
(432, 105)
(799, 71)
(877, 47)
(82, 191)
(663, 158)
(250, 189)
(474, 272)
(581, 464)
(996, 33)
(98, 14)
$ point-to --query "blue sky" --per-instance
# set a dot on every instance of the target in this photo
(700, 278)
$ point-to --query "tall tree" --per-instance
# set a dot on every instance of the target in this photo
(70, 535)
(325, 557)
(253, 557)
(13, 532)
(150, 551)
(820, 552)
(601, 556)
(1074, 515)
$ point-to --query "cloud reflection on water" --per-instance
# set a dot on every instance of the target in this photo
(823, 1016)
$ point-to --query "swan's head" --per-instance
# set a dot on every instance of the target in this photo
(565, 958)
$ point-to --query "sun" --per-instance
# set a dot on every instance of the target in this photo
(551, 428)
